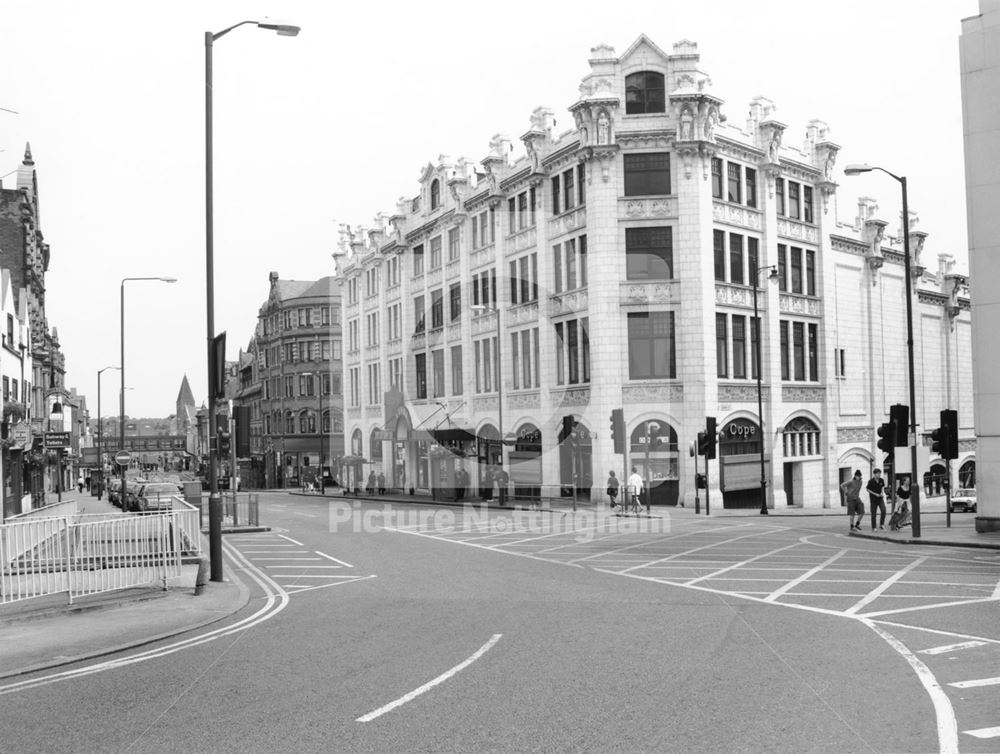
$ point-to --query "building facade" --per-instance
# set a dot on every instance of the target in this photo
(297, 344)
(980, 74)
(655, 258)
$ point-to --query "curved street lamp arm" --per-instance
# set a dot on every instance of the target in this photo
(213, 36)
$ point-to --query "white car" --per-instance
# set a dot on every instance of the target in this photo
(964, 499)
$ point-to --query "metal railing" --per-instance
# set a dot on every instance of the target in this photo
(239, 509)
(95, 553)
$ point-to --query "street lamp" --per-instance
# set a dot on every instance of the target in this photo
(214, 501)
(121, 408)
(912, 442)
(496, 314)
(772, 274)
(100, 434)
(56, 410)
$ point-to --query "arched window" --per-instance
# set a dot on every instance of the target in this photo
(644, 93)
(800, 438)
(435, 194)
(289, 423)
(326, 422)
(307, 422)
(338, 421)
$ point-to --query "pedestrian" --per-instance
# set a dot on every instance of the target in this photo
(635, 489)
(902, 492)
(461, 483)
(503, 481)
(380, 480)
(370, 485)
(613, 488)
(876, 488)
(852, 496)
(79, 483)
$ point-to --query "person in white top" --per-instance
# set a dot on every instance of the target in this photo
(635, 485)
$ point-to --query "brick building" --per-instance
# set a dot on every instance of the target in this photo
(619, 264)
(297, 346)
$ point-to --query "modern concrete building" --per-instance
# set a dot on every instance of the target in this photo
(980, 71)
(298, 347)
(625, 263)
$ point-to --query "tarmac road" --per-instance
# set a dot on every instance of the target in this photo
(511, 635)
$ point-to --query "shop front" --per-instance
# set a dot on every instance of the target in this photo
(739, 464)
(653, 452)
(450, 456)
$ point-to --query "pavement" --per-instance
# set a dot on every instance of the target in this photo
(46, 633)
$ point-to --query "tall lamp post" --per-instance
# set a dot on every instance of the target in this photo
(55, 410)
(214, 501)
(772, 274)
(100, 434)
(496, 314)
(121, 407)
(915, 482)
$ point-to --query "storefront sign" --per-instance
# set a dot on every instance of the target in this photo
(57, 439)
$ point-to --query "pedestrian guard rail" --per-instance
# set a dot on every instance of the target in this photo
(239, 509)
(85, 554)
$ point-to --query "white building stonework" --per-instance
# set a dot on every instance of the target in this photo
(616, 262)
(980, 72)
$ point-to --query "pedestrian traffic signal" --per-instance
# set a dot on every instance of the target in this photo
(701, 481)
(899, 418)
(945, 437)
(706, 441)
(887, 438)
(568, 423)
(224, 444)
(618, 430)
(949, 419)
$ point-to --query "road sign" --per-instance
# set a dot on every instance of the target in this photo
(57, 439)
(122, 457)
(20, 434)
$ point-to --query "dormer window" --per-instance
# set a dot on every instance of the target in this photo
(644, 93)
(435, 194)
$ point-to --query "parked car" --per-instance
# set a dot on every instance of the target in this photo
(150, 497)
(964, 499)
(114, 489)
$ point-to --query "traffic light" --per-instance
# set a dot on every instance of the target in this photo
(887, 438)
(224, 446)
(618, 429)
(945, 437)
(709, 438)
(568, 423)
(701, 444)
(899, 418)
(701, 481)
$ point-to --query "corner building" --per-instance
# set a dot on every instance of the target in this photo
(620, 265)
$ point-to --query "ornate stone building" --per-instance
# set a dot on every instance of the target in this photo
(297, 344)
(626, 263)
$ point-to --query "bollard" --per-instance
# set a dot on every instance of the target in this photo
(202, 578)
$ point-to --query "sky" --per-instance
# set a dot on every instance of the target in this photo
(334, 125)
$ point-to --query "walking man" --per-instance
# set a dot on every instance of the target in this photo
(876, 489)
(634, 490)
(852, 496)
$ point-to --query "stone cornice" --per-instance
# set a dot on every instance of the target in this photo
(560, 156)
(739, 150)
(428, 228)
(510, 182)
(659, 137)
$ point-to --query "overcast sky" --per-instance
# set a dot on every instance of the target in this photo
(334, 125)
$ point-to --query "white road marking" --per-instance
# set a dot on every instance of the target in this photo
(984, 732)
(952, 647)
(947, 725)
(739, 565)
(294, 542)
(996, 591)
(697, 549)
(302, 566)
(335, 560)
(874, 593)
(430, 684)
(314, 576)
(926, 607)
(288, 558)
(976, 683)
